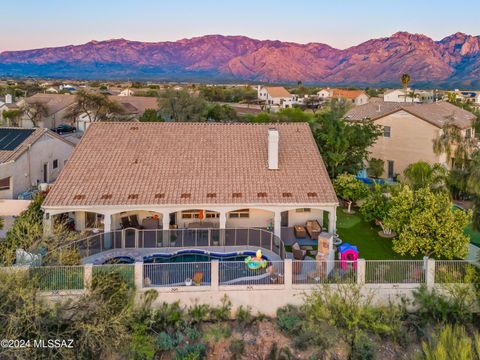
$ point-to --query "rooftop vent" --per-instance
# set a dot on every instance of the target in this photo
(262, 195)
(132, 196)
(106, 196)
(287, 194)
(159, 195)
(237, 195)
(211, 195)
(273, 139)
(134, 128)
(185, 196)
(79, 197)
(312, 194)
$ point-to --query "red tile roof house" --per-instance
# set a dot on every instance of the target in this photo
(194, 175)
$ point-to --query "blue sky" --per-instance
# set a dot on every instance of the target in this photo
(30, 24)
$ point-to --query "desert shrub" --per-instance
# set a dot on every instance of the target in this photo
(303, 340)
(199, 312)
(237, 348)
(222, 312)
(452, 342)
(168, 318)
(289, 319)
(166, 342)
(456, 305)
(244, 315)
(363, 348)
(350, 313)
(192, 333)
(277, 353)
(142, 344)
(216, 332)
(191, 352)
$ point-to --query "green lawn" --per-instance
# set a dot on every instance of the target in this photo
(474, 235)
(353, 230)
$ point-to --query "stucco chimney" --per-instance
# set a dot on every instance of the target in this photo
(273, 139)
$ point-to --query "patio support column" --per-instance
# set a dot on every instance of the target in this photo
(166, 221)
(47, 224)
(222, 226)
(79, 220)
(332, 221)
(277, 223)
(107, 228)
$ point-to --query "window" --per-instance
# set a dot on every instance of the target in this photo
(391, 167)
(303, 210)
(243, 213)
(5, 183)
(195, 214)
(93, 220)
(386, 131)
(55, 164)
(468, 133)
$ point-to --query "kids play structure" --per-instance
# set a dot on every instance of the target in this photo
(347, 253)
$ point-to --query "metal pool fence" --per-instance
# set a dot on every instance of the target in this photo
(454, 271)
(324, 272)
(123, 271)
(56, 278)
(395, 271)
(238, 273)
(177, 274)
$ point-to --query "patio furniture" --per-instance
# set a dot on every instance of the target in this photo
(197, 278)
(300, 231)
(298, 253)
(150, 223)
(313, 229)
(125, 222)
(134, 222)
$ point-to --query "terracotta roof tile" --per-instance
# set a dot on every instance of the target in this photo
(164, 162)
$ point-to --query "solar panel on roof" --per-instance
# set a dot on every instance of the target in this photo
(10, 139)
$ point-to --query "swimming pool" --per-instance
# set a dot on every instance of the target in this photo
(185, 256)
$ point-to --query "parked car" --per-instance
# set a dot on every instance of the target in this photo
(64, 129)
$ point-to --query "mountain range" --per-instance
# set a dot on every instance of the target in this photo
(451, 62)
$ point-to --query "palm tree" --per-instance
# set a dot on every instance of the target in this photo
(405, 80)
(421, 174)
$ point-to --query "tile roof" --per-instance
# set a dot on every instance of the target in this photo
(346, 94)
(436, 114)
(277, 91)
(135, 105)
(53, 102)
(162, 162)
(35, 134)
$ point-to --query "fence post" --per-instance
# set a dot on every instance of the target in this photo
(429, 272)
(139, 275)
(361, 266)
(288, 270)
(87, 276)
(215, 278)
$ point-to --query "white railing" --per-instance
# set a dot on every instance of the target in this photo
(283, 273)
(395, 271)
(454, 271)
(238, 273)
(177, 274)
(132, 238)
(324, 272)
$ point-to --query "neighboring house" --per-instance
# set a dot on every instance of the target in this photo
(126, 92)
(192, 175)
(51, 90)
(399, 96)
(133, 108)
(29, 157)
(57, 106)
(354, 97)
(409, 130)
(275, 96)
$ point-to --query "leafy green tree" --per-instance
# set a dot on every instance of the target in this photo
(343, 144)
(35, 112)
(13, 117)
(427, 224)
(224, 112)
(376, 207)
(473, 186)
(376, 168)
(283, 115)
(422, 174)
(25, 231)
(150, 115)
(181, 105)
(349, 188)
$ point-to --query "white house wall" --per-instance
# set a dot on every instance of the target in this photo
(300, 218)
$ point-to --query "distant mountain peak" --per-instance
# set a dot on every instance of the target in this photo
(454, 60)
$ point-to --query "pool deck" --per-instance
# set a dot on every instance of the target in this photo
(139, 254)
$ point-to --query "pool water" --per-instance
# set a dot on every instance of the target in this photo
(186, 258)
